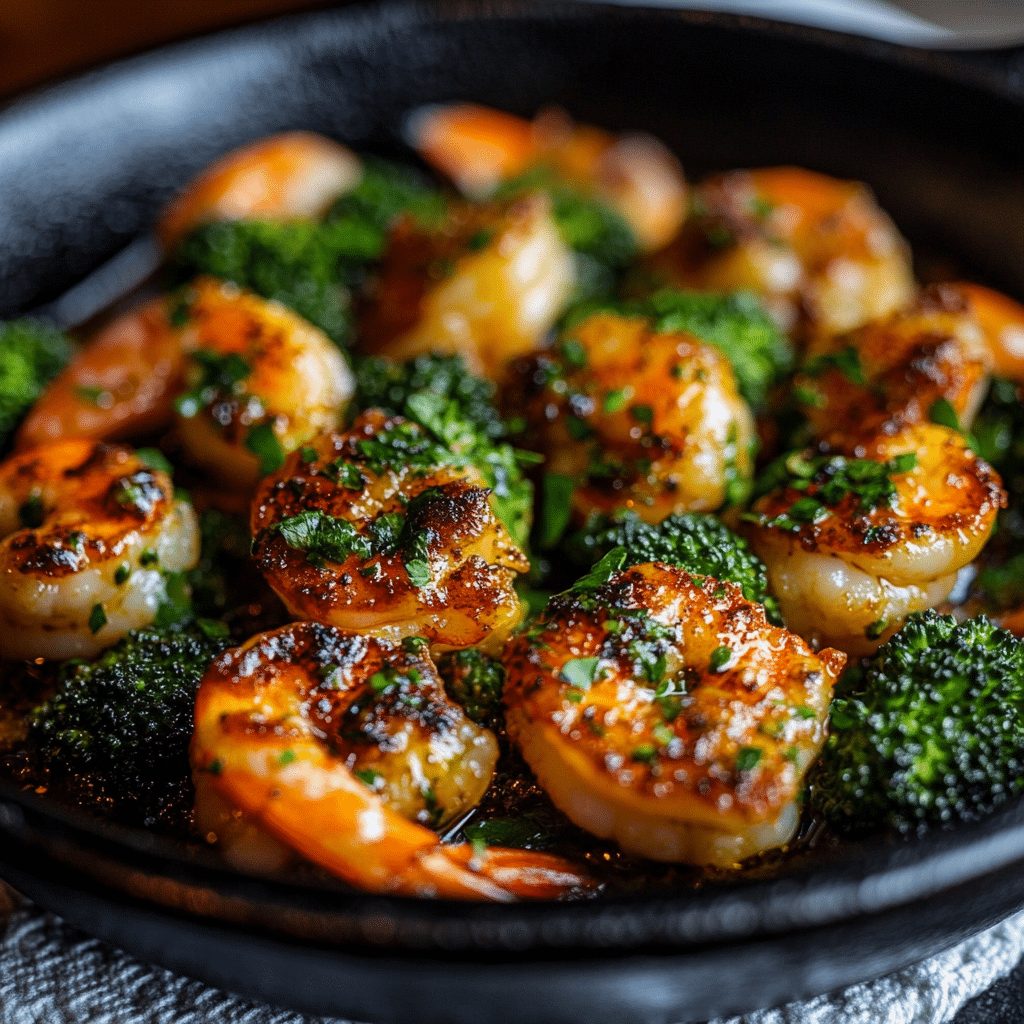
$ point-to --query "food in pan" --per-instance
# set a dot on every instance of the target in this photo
(526, 539)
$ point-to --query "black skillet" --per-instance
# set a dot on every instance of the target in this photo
(83, 169)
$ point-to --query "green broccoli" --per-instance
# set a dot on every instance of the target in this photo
(385, 192)
(131, 709)
(700, 544)
(457, 410)
(31, 355)
(929, 732)
(997, 436)
(310, 267)
(760, 354)
(474, 681)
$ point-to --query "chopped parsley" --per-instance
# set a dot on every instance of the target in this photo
(97, 618)
(579, 672)
(828, 480)
(556, 509)
(846, 361)
(261, 440)
(748, 758)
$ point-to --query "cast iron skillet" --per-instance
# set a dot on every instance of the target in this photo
(85, 166)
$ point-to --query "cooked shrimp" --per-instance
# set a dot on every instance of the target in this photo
(88, 528)
(380, 531)
(122, 383)
(262, 381)
(292, 175)
(332, 742)
(651, 422)
(1002, 320)
(479, 148)
(853, 546)
(488, 284)
(663, 711)
(891, 372)
(820, 252)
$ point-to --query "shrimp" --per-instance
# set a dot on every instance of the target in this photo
(893, 371)
(122, 383)
(1002, 319)
(479, 148)
(854, 545)
(663, 711)
(822, 255)
(262, 381)
(488, 284)
(286, 176)
(380, 531)
(641, 420)
(88, 531)
(331, 742)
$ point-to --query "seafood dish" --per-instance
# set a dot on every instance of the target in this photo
(543, 526)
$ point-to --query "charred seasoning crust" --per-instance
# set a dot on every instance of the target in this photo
(875, 531)
(658, 717)
(345, 688)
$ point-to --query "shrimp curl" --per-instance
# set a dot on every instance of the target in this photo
(273, 719)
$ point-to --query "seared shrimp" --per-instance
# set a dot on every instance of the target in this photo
(892, 372)
(292, 175)
(1002, 320)
(820, 252)
(380, 531)
(854, 544)
(87, 529)
(121, 383)
(663, 711)
(262, 380)
(332, 742)
(488, 284)
(639, 420)
(634, 174)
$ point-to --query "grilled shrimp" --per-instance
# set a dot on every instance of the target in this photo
(262, 380)
(292, 175)
(651, 422)
(1002, 320)
(336, 745)
(891, 372)
(488, 284)
(854, 545)
(380, 531)
(820, 252)
(121, 383)
(87, 529)
(662, 710)
(479, 148)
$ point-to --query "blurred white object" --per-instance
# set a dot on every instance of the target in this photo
(943, 24)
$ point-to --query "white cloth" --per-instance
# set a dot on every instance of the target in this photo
(51, 973)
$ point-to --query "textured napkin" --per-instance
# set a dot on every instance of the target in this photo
(51, 973)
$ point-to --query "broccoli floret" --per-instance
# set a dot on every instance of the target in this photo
(929, 732)
(997, 436)
(456, 409)
(760, 354)
(306, 266)
(474, 681)
(298, 264)
(131, 709)
(603, 242)
(385, 192)
(218, 582)
(31, 355)
(700, 544)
